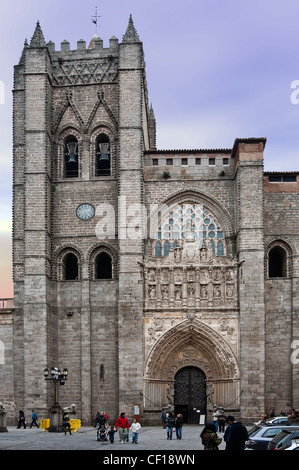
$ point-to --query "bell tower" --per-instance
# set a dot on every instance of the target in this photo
(81, 125)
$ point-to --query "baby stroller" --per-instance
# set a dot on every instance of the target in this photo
(102, 434)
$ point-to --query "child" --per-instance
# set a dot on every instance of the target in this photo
(101, 434)
(135, 430)
(111, 433)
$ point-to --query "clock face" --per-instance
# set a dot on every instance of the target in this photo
(85, 211)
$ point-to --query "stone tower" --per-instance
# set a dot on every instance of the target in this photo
(78, 292)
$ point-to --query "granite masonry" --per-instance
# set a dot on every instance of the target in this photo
(163, 279)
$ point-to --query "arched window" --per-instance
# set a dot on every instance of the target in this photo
(277, 260)
(102, 161)
(103, 266)
(70, 267)
(71, 157)
(185, 221)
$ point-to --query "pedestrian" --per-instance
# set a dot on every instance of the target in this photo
(66, 423)
(178, 425)
(272, 414)
(263, 420)
(34, 419)
(209, 437)
(215, 417)
(235, 434)
(111, 433)
(163, 418)
(101, 420)
(122, 425)
(135, 428)
(169, 423)
(22, 420)
(221, 421)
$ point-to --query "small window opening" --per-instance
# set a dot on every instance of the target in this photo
(102, 156)
(71, 157)
(70, 267)
(103, 266)
(277, 262)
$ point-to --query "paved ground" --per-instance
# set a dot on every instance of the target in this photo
(150, 439)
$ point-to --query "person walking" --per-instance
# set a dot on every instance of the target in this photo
(122, 425)
(163, 418)
(209, 437)
(135, 428)
(215, 417)
(221, 421)
(169, 423)
(34, 419)
(179, 425)
(235, 434)
(66, 423)
(111, 433)
(22, 420)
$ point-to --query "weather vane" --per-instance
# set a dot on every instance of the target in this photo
(95, 21)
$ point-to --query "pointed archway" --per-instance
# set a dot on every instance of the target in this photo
(191, 343)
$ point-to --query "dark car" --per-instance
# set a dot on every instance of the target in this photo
(283, 440)
(260, 436)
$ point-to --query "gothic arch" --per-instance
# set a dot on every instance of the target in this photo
(96, 131)
(194, 197)
(191, 343)
(65, 132)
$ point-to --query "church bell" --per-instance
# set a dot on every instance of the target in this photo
(104, 151)
(72, 150)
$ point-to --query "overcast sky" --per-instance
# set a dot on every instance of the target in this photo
(216, 70)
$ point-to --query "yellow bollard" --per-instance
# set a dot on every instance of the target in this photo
(75, 424)
(45, 424)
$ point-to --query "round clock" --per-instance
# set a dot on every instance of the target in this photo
(85, 211)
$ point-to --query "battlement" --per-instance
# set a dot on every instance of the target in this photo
(95, 49)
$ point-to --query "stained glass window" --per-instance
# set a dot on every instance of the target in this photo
(189, 220)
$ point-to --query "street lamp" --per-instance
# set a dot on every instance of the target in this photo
(57, 378)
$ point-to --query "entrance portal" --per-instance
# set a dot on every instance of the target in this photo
(190, 394)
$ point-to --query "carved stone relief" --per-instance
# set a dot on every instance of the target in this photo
(190, 276)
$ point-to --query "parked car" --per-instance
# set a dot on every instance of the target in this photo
(276, 420)
(294, 445)
(283, 440)
(261, 436)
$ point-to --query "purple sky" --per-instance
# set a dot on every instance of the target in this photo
(216, 70)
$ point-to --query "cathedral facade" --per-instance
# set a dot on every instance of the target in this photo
(160, 279)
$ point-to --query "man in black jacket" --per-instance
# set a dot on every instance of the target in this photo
(235, 434)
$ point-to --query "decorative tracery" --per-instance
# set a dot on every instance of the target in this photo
(189, 221)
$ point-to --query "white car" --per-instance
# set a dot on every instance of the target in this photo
(276, 420)
(294, 445)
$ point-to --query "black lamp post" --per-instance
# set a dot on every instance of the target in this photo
(57, 378)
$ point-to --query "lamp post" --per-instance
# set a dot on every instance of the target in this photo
(57, 378)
